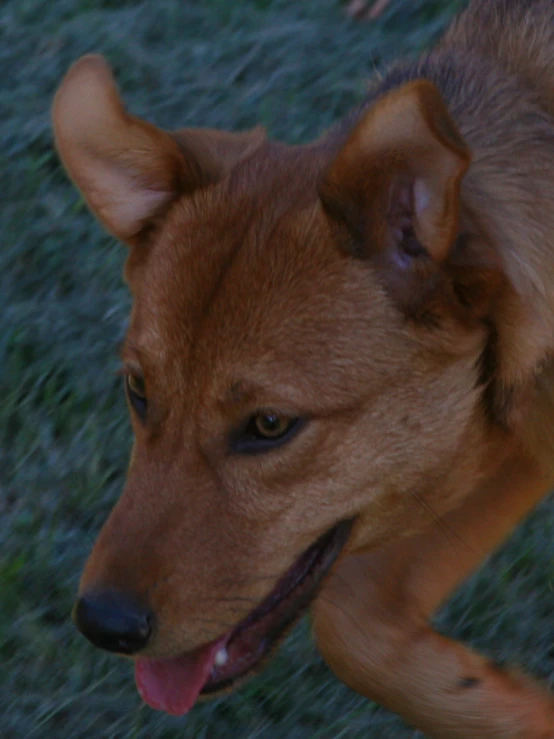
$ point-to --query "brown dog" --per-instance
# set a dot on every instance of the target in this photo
(339, 362)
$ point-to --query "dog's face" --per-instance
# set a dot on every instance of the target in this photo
(302, 377)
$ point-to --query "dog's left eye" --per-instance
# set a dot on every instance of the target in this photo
(265, 430)
(136, 392)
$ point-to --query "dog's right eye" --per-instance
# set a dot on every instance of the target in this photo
(136, 392)
(264, 431)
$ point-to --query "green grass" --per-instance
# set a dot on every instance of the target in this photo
(64, 436)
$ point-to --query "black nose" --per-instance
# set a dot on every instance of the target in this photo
(112, 621)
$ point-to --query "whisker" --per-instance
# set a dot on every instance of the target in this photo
(348, 613)
(228, 599)
(444, 527)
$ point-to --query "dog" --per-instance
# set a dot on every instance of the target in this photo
(339, 369)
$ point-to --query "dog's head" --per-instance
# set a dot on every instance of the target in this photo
(302, 366)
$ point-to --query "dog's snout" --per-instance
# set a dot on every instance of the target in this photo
(112, 621)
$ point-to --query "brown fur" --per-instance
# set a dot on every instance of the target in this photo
(394, 284)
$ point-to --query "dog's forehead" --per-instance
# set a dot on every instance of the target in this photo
(252, 231)
(251, 266)
(261, 206)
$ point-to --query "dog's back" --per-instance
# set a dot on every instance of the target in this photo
(516, 38)
(517, 35)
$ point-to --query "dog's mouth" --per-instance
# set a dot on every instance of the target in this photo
(174, 685)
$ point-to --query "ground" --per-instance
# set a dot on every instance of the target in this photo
(64, 437)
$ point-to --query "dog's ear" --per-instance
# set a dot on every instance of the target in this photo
(395, 183)
(129, 171)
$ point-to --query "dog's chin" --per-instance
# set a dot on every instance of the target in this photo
(174, 685)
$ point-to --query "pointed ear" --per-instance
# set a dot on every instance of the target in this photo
(129, 171)
(396, 181)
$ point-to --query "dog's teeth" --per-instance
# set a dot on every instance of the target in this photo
(221, 657)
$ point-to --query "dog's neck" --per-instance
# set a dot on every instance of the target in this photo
(507, 197)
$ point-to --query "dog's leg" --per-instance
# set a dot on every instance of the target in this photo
(371, 624)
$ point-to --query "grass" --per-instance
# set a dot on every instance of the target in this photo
(64, 436)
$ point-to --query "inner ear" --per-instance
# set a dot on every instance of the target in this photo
(407, 201)
(128, 170)
(396, 180)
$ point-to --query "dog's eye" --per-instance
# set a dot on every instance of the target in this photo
(265, 430)
(136, 393)
(271, 425)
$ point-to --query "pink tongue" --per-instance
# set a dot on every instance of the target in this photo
(173, 685)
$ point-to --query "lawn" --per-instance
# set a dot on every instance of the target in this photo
(295, 67)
